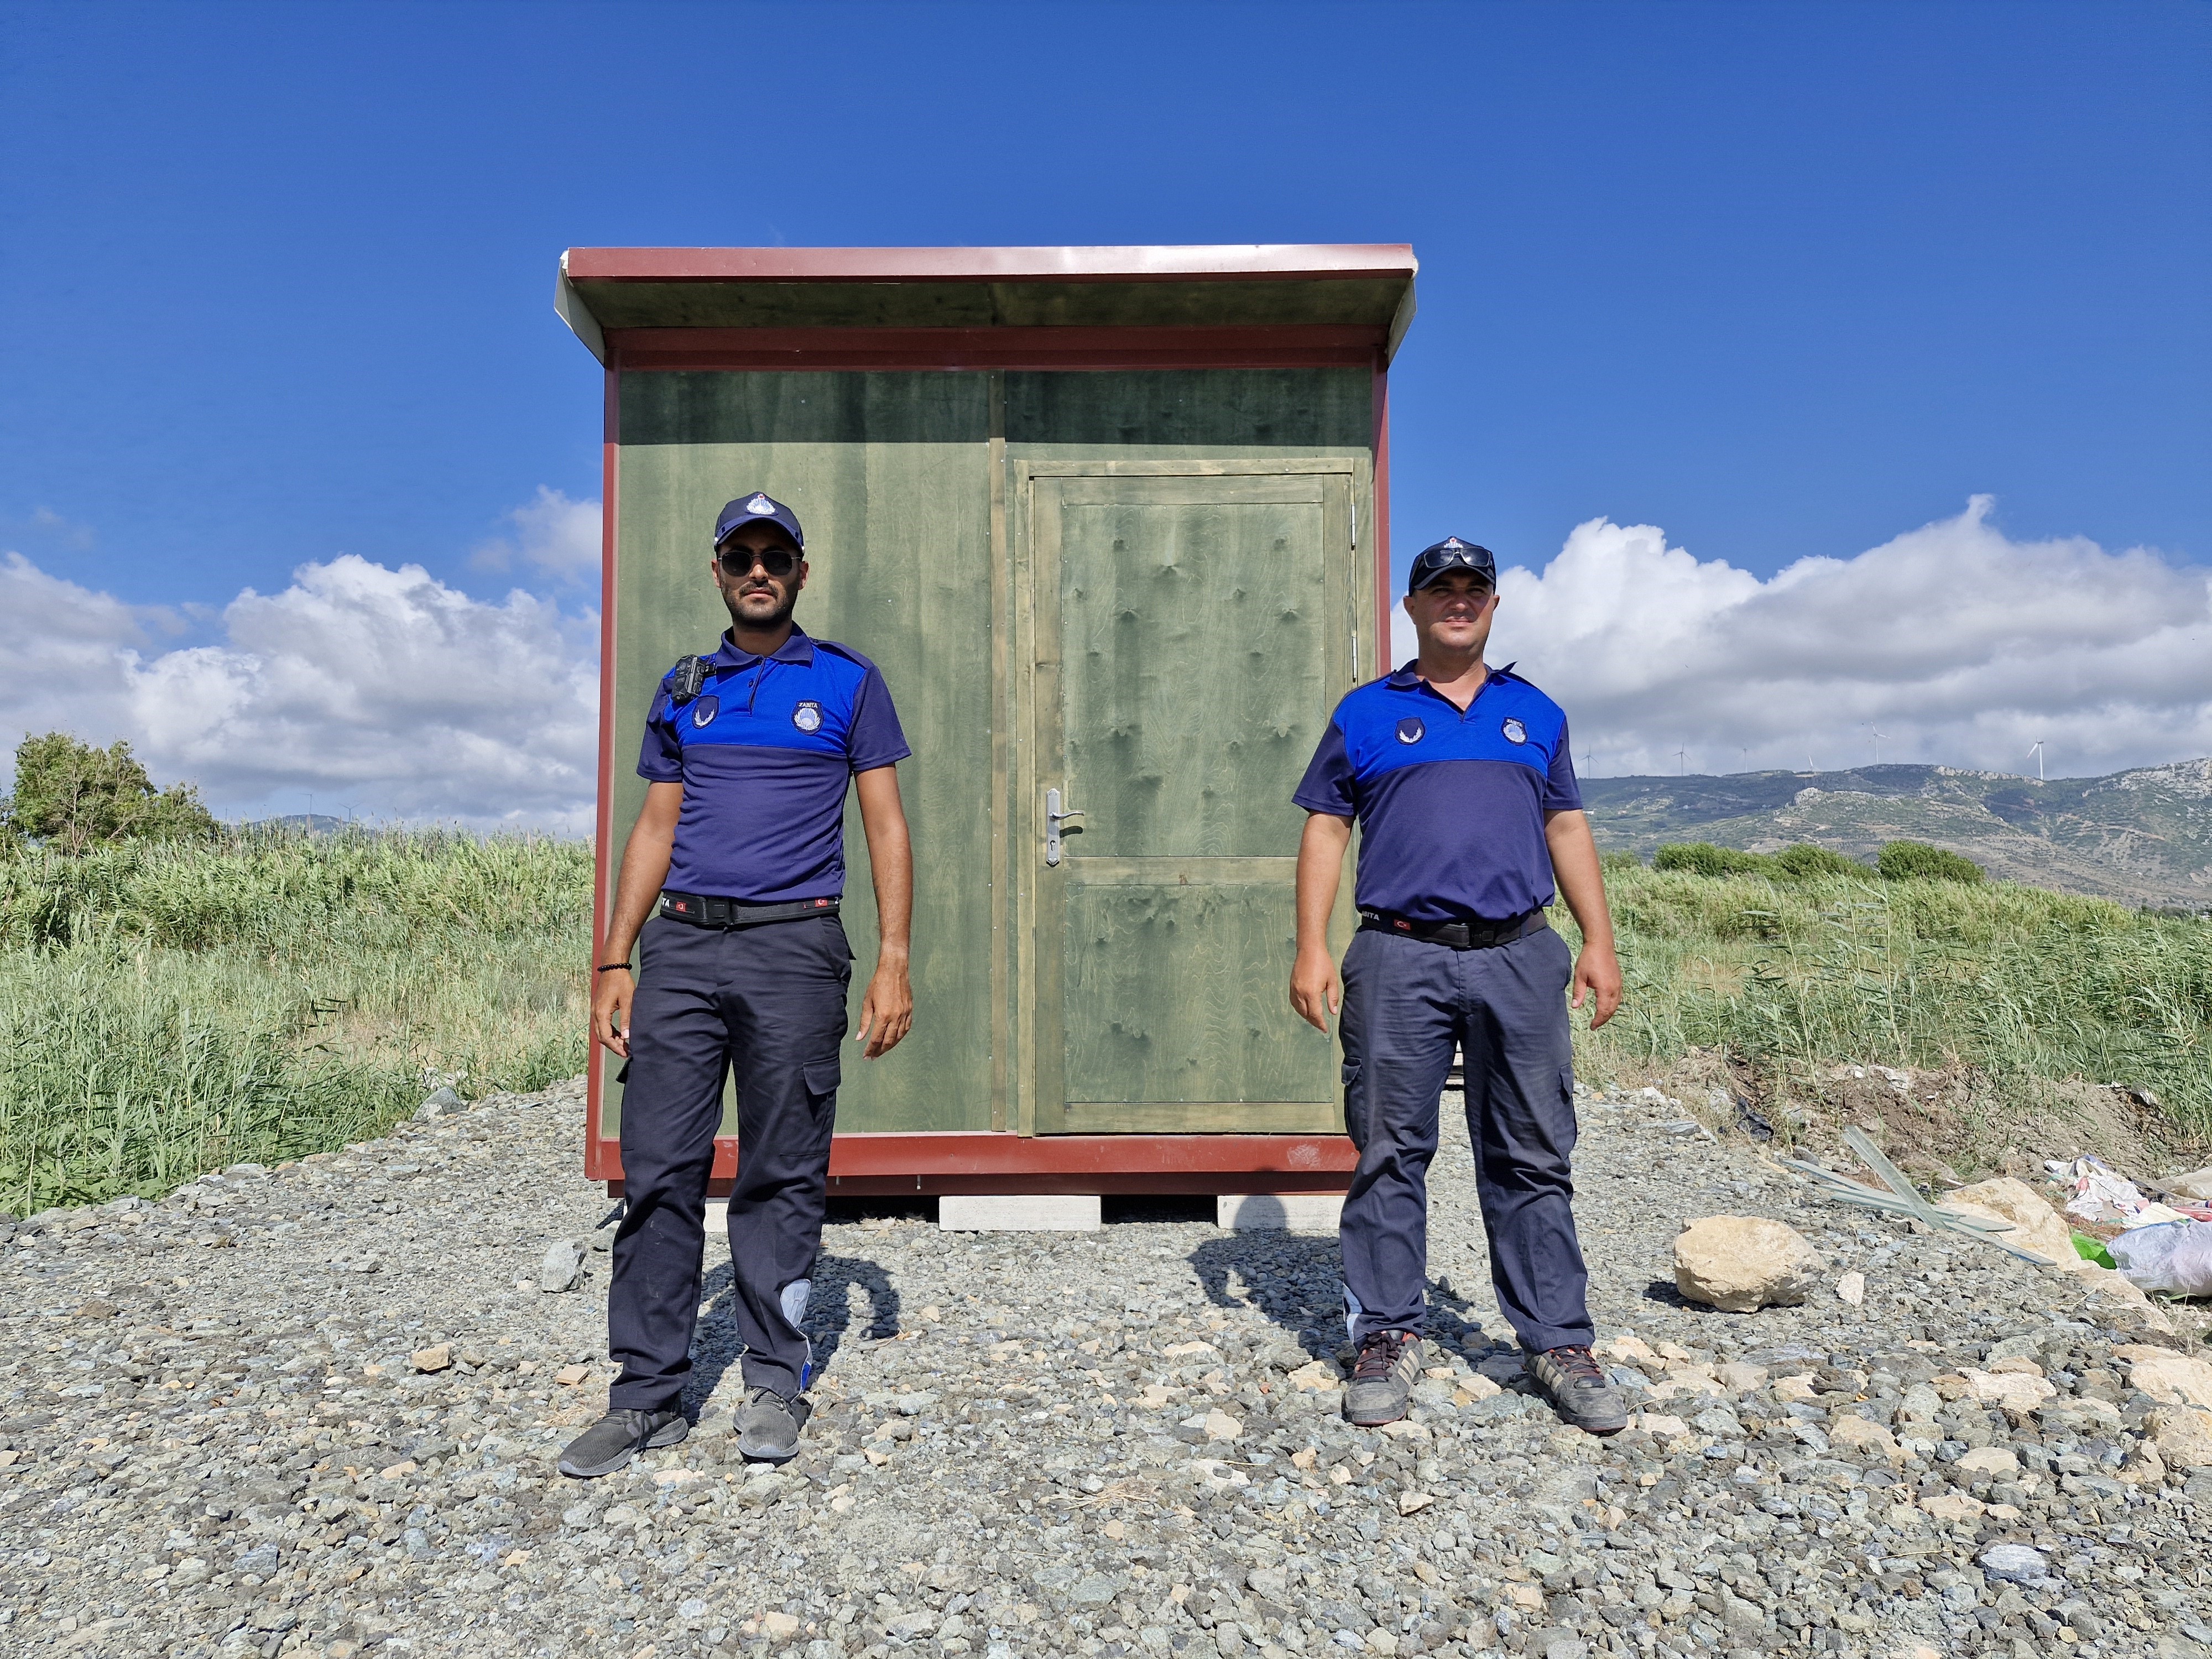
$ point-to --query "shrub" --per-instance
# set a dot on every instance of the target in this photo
(1916, 860)
(1702, 858)
(1805, 862)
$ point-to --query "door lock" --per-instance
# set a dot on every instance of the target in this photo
(1054, 817)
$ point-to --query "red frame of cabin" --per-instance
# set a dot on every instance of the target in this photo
(934, 1163)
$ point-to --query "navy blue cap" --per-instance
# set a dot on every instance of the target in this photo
(757, 509)
(1450, 554)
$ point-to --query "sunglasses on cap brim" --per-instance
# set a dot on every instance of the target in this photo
(1429, 566)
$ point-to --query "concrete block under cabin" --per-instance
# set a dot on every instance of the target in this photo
(1020, 1212)
(1295, 1212)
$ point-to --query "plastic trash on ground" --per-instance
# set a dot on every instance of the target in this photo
(2090, 1248)
(2101, 1194)
(2174, 1257)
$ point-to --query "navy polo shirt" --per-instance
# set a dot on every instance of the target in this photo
(1450, 806)
(764, 753)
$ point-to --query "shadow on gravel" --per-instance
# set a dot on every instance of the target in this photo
(829, 1319)
(1272, 1267)
(1664, 1290)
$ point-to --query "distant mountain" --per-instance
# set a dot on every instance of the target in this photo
(312, 824)
(2144, 837)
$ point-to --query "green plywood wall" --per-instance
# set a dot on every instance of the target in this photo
(893, 476)
(889, 475)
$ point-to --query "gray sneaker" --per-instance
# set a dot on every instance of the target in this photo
(768, 1424)
(611, 1443)
(1382, 1386)
(1578, 1387)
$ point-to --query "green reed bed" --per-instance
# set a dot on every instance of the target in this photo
(2014, 980)
(167, 1009)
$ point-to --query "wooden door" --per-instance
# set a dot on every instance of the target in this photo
(1192, 630)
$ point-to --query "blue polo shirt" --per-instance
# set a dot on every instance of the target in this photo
(764, 753)
(1450, 806)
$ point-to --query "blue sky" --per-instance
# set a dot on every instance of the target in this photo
(1787, 280)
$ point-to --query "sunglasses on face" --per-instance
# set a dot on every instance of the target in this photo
(777, 562)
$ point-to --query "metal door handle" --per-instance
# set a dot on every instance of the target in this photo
(1054, 817)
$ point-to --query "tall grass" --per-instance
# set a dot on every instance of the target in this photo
(2013, 981)
(166, 1010)
(169, 1008)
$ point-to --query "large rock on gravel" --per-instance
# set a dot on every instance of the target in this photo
(2036, 1227)
(2182, 1436)
(2118, 1302)
(1740, 1263)
(2170, 1378)
(563, 1267)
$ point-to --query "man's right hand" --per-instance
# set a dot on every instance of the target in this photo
(611, 998)
(1315, 991)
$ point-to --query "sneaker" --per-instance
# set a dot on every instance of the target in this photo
(1382, 1386)
(611, 1442)
(1577, 1385)
(768, 1426)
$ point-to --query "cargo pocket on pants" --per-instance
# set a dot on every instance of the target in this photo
(822, 1079)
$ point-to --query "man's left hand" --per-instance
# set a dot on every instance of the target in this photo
(887, 1011)
(1597, 971)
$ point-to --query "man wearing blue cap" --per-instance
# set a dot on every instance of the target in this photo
(740, 849)
(1470, 818)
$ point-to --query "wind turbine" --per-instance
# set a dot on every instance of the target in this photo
(1878, 736)
(1681, 762)
(2036, 755)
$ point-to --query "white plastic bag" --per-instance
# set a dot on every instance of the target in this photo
(2175, 1258)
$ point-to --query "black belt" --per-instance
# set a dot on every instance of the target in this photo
(706, 910)
(1459, 935)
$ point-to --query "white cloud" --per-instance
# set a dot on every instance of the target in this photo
(383, 692)
(551, 534)
(1960, 645)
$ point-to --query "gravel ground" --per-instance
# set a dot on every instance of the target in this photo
(219, 1437)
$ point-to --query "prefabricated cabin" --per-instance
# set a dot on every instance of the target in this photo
(1114, 523)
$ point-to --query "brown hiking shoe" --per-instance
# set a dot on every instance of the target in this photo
(1382, 1386)
(1579, 1388)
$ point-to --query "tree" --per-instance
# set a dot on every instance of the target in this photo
(1804, 861)
(1916, 860)
(71, 796)
(1703, 857)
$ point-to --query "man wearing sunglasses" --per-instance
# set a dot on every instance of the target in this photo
(739, 848)
(1470, 818)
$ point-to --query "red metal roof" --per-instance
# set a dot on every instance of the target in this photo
(1249, 262)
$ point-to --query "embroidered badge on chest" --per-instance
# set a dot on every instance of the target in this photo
(807, 717)
(1412, 729)
(704, 710)
(1515, 732)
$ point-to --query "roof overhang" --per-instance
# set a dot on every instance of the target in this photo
(1064, 307)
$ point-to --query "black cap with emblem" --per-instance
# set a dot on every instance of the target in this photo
(1450, 554)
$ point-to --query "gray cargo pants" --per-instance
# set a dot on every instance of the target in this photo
(1408, 1003)
(768, 1002)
